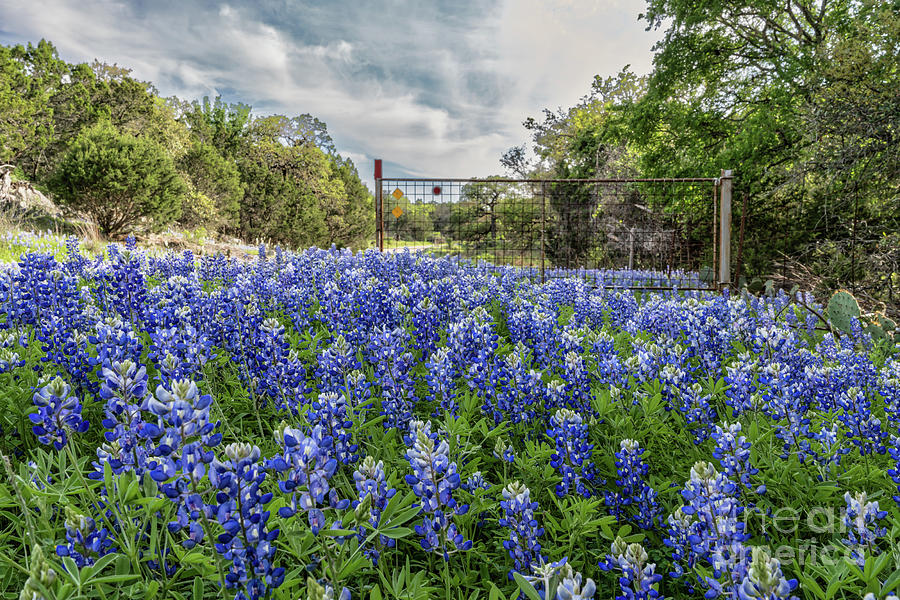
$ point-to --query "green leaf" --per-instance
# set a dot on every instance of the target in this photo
(198, 588)
(525, 587)
(396, 533)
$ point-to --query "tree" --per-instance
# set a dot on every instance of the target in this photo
(118, 179)
(212, 180)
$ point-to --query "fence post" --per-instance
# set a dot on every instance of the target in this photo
(543, 227)
(379, 209)
(725, 229)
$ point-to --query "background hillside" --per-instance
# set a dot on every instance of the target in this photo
(108, 147)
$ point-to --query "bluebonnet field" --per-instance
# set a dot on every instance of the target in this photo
(330, 425)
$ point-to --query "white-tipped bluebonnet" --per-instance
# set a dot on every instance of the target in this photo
(522, 545)
(635, 500)
(733, 453)
(638, 579)
(85, 541)
(330, 412)
(861, 520)
(304, 467)
(572, 454)
(246, 542)
(765, 581)
(374, 492)
(433, 480)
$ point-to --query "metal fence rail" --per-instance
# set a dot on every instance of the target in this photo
(629, 232)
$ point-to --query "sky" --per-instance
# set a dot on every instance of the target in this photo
(435, 88)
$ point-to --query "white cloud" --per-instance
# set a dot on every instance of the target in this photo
(439, 98)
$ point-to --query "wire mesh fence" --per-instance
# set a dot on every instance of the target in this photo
(619, 232)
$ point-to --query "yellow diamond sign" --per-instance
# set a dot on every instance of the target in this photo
(398, 193)
(397, 212)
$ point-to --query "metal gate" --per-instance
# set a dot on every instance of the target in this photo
(630, 233)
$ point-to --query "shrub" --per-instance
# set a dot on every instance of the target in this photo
(118, 179)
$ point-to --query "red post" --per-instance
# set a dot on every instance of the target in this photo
(379, 220)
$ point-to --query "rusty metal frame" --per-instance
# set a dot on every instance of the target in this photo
(720, 230)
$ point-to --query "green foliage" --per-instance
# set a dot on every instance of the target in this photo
(216, 188)
(276, 178)
(798, 98)
(118, 179)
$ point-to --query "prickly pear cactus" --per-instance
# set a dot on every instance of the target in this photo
(842, 307)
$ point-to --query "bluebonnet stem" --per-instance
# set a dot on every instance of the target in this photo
(861, 521)
(433, 480)
(572, 456)
(638, 579)
(765, 581)
(246, 542)
(522, 545)
(86, 542)
(635, 500)
(58, 414)
(733, 453)
(374, 495)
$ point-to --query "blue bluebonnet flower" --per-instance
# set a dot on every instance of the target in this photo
(636, 500)
(306, 461)
(578, 384)
(572, 455)
(374, 495)
(433, 480)
(440, 376)
(764, 580)
(861, 427)
(246, 542)
(516, 391)
(128, 436)
(58, 414)
(330, 412)
(733, 453)
(861, 522)
(86, 542)
(183, 414)
(335, 364)
(638, 579)
(708, 528)
(504, 452)
(393, 364)
(522, 545)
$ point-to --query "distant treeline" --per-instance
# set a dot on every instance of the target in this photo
(800, 98)
(108, 146)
